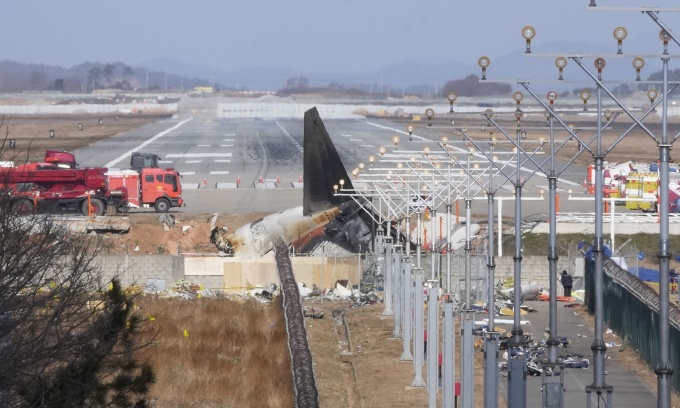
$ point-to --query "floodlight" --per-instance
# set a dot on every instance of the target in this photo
(620, 34)
(664, 36)
(451, 97)
(429, 112)
(400, 165)
(551, 95)
(560, 63)
(426, 150)
(638, 63)
(395, 140)
(585, 95)
(342, 183)
(608, 115)
(518, 116)
(335, 188)
(361, 167)
(652, 95)
(444, 140)
(528, 32)
(600, 63)
(518, 96)
(371, 159)
(382, 151)
(483, 62)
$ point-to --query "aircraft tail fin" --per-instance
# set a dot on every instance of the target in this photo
(322, 167)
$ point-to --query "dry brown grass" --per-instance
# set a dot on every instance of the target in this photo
(383, 380)
(235, 355)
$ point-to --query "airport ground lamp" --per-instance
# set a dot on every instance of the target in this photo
(663, 369)
(517, 362)
(423, 169)
(599, 387)
(503, 173)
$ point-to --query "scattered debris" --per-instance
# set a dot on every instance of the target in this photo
(313, 313)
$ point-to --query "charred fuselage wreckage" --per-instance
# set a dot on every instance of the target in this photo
(324, 224)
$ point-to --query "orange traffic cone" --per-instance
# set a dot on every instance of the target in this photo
(261, 180)
(205, 181)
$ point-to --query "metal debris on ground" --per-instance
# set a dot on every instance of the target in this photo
(313, 313)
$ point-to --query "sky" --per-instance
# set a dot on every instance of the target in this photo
(344, 36)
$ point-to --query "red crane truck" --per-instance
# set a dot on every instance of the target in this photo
(57, 186)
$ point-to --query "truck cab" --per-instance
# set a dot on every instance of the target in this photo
(161, 188)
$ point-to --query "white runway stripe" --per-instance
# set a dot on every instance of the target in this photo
(219, 172)
(141, 146)
(222, 161)
(193, 161)
(197, 155)
(187, 173)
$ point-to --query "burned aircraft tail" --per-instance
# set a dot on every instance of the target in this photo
(322, 167)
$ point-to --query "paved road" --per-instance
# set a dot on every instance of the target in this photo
(629, 390)
(214, 154)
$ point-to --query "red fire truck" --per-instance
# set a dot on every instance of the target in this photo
(147, 185)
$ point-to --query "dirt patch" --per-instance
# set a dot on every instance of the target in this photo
(190, 234)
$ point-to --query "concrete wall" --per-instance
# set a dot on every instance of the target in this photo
(233, 274)
(320, 271)
(138, 269)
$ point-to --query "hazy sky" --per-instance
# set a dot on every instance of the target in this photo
(333, 35)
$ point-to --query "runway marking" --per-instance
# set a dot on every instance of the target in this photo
(187, 173)
(230, 134)
(460, 150)
(219, 172)
(227, 145)
(203, 145)
(198, 155)
(285, 132)
(113, 162)
(355, 140)
(346, 135)
(228, 140)
(193, 161)
(222, 161)
(165, 161)
(367, 146)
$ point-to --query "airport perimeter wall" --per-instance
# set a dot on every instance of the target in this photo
(235, 274)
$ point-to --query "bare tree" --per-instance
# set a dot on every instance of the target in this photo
(109, 73)
(67, 338)
(93, 76)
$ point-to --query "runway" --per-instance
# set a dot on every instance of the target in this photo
(239, 166)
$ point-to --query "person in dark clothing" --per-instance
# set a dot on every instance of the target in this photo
(566, 283)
